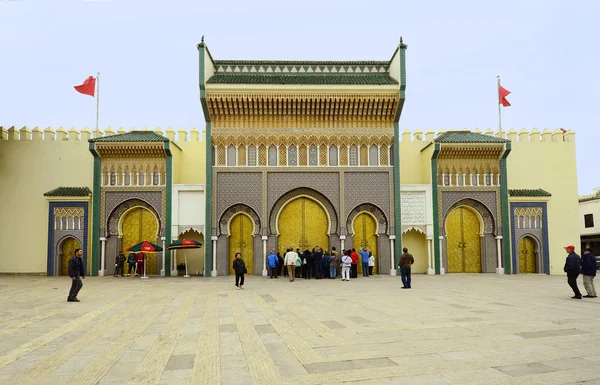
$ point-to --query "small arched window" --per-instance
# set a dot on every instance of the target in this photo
(63, 224)
(313, 156)
(252, 155)
(292, 155)
(231, 156)
(373, 156)
(353, 156)
(272, 156)
(57, 223)
(333, 156)
(539, 222)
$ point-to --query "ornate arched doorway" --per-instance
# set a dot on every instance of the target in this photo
(139, 224)
(241, 240)
(365, 236)
(527, 256)
(303, 223)
(463, 230)
(195, 257)
(66, 252)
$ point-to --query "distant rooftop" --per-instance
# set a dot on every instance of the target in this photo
(133, 136)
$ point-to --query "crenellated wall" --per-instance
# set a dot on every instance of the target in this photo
(34, 161)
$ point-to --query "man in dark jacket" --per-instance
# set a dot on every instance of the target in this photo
(240, 269)
(120, 265)
(131, 264)
(77, 273)
(406, 261)
(317, 256)
(588, 270)
(572, 268)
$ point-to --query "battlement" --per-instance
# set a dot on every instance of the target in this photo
(193, 135)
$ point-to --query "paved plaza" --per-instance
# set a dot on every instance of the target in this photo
(453, 329)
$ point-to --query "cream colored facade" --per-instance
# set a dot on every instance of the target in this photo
(589, 221)
(33, 162)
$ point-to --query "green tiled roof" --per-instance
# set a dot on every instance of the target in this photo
(529, 193)
(468, 137)
(301, 62)
(371, 79)
(69, 192)
(133, 136)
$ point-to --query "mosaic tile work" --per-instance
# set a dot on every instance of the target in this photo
(238, 188)
(368, 187)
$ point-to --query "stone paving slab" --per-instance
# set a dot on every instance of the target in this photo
(453, 329)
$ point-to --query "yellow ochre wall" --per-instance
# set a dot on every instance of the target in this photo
(30, 166)
(547, 161)
(28, 169)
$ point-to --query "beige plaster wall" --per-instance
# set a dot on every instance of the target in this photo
(549, 165)
(28, 169)
(189, 165)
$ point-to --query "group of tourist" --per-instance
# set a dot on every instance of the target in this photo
(320, 264)
(586, 266)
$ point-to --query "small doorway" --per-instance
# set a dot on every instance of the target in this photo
(67, 251)
(527, 256)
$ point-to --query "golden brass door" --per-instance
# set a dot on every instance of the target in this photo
(241, 241)
(463, 241)
(303, 224)
(138, 225)
(527, 258)
(364, 236)
(67, 252)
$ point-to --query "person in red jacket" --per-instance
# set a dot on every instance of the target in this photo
(139, 259)
(353, 268)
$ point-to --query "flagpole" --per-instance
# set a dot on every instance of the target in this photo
(97, 103)
(499, 109)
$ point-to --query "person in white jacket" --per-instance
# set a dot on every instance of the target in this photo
(371, 263)
(290, 262)
(346, 263)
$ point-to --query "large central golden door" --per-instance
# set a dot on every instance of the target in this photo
(68, 251)
(303, 224)
(463, 242)
(527, 258)
(365, 236)
(138, 225)
(241, 241)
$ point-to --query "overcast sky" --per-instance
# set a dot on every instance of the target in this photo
(545, 52)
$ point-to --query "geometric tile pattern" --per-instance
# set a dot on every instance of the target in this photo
(368, 187)
(203, 331)
(238, 188)
(155, 199)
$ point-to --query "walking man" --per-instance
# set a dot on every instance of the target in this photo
(76, 273)
(289, 261)
(572, 268)
(406, 261)
(272, 260)
(240, 269)
(588, 270)
(354, 265)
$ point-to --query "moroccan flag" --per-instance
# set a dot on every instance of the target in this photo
(88, 87)
(502, 94)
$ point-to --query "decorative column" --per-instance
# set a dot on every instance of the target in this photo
(264, 242)
(174, 266)
(213, 273)
(392, 259)
(430, 269)
(102, 271)
(442, 270)
(499, 269)
(162, 271)
(342, 239)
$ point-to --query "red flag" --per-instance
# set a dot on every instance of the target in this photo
(502, 94)
(88, 87)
